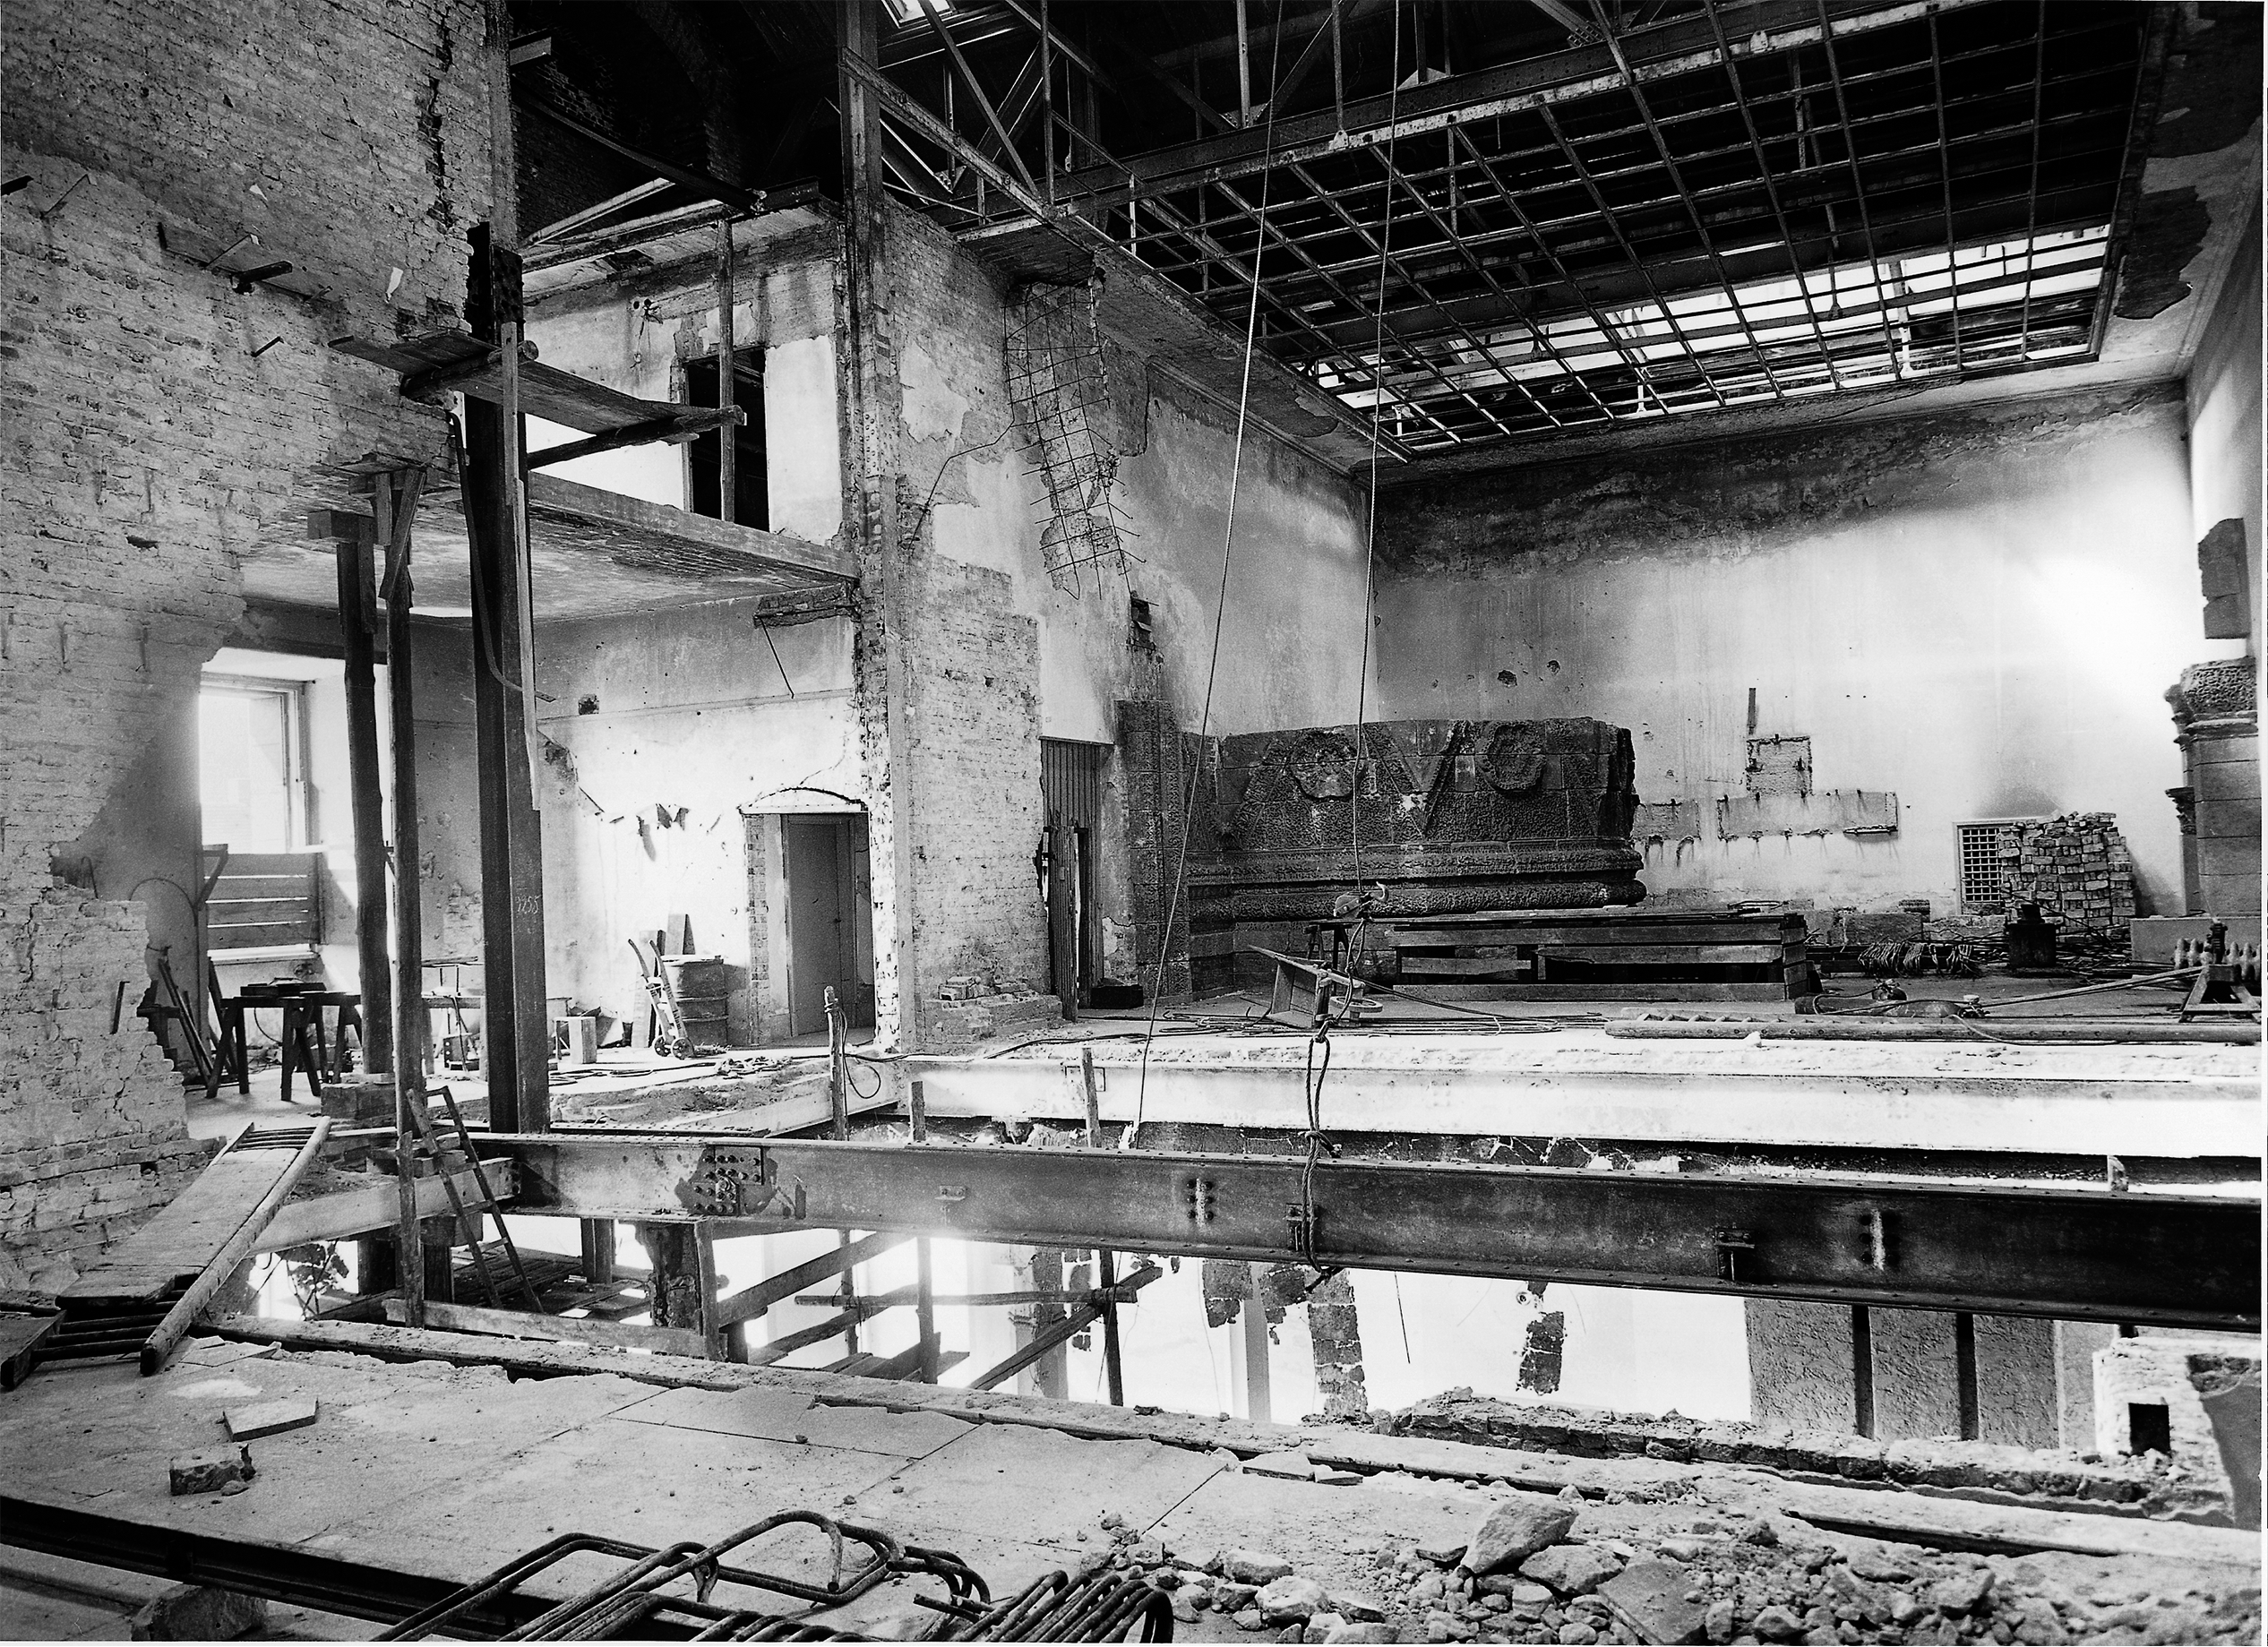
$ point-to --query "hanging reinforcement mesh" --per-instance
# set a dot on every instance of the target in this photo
(1060, 389)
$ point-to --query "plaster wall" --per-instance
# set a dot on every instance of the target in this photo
(1288, 649)
(2223, 391)
(633, 334)
(687, 715)
(1978, 610)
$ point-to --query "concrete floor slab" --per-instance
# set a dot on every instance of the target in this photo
(453, 1475)
(1576, 1081)
(790, 1415)
(986, 1480)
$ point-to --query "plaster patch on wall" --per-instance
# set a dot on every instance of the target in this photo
(933, 410)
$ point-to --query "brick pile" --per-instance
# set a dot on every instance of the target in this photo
(148, 450)
(2074, 867)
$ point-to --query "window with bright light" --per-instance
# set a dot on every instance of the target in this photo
(249, 780)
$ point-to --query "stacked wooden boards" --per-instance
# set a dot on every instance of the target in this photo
(1579, 953)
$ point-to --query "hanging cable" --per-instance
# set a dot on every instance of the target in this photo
(1378, 412)
(1220, 602)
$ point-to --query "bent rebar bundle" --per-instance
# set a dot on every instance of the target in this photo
(1104, 1605)
(634, 1602)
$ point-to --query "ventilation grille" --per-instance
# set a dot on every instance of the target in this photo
(1984, 872)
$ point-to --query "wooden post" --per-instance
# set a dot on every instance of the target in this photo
(357, 618)
(397, 513)
(681, 1282)
(1108, 1260)
(837, 1065)
(1257, 1401)
(515, 1038)
(924, 1311)
(727, 390)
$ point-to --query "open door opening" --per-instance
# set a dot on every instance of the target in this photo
(830, 925)
(1071, 781)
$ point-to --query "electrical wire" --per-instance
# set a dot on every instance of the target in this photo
(1228, 544)
(1378, 412)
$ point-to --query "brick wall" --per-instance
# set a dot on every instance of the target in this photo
(148, 453)
(972, 791)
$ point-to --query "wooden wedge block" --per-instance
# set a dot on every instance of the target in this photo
(268, 1417)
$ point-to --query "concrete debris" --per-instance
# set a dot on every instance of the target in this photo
(268, 1417)
(1460, 1415)
(209, 1471)
(1285, 1466)
(1289, 1597)
(1254, 1567)
(1514, 1530)
(1572, 1569)
(196, 1613)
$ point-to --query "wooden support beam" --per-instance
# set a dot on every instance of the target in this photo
(678, 429)
(350, 1212)
(357, 624)
(515, 1038)
(1055, 1337)
(727, 390)
(1113, 1371)
(396, 516)
(558, 1329)
(158, 1348)
(599, 1250)
(753, 1301)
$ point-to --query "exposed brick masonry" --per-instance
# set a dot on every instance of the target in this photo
(148, 452)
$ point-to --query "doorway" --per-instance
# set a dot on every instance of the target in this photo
(1071, 783)
(831, 926)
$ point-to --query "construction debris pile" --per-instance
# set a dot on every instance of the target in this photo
(1538, 1569)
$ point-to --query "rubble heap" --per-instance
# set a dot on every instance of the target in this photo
(1561, 1570)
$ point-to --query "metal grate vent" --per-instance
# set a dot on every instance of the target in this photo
(1984, 870)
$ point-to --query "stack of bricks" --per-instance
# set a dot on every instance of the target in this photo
(2076, 867)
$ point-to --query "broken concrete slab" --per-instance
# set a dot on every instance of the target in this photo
(197, 1613)
(268, 1417)
(209, 1471)
(1256, 1568)
(1651, 1596)
(1291, 1598)
(1286, 1466)
(1572, 1569)
(1510, 1532)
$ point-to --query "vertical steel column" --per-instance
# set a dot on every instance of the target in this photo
(357, 622)
(515, 1038)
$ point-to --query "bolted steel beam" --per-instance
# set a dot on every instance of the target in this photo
(2071, 1254)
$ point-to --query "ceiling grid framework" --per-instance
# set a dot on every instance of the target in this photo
(1699, 205)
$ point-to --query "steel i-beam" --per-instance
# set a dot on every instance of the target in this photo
(2072, 1254)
